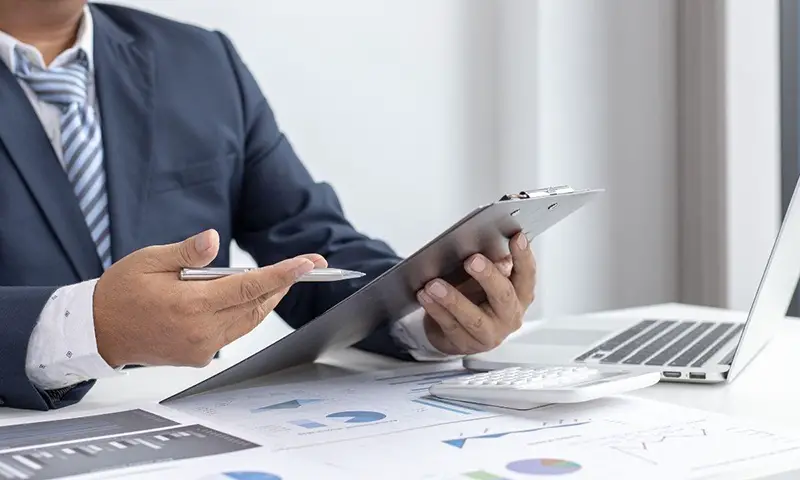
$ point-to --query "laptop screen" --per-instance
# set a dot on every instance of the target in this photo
(775, 291)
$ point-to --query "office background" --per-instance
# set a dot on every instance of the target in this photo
(417, 110)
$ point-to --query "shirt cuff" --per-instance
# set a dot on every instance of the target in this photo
(410, 332)
(62, 350)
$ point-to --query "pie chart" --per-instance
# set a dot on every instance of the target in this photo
(357, 416)
(543, 466)
(243, 476)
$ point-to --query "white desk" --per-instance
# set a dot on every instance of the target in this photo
(766, 390)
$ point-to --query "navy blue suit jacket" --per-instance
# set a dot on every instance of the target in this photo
(190, 143)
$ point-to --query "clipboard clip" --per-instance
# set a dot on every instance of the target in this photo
(541, 192)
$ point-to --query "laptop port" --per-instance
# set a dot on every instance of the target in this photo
(697, 376)
(672, 374)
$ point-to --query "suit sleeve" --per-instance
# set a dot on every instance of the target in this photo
(282, 212)
(20, 309)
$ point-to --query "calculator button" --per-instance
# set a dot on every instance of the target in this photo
(532, 385)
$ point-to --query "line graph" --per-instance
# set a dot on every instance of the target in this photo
(460, 442)
(651, 444)
(703, 444)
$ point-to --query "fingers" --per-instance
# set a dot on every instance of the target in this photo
(318, 260)
(452, 331)
(500, 292)
(456, 323)
(505, 265)
(243, 319)
(194, 252)
(523, 275)
(246, 287)
(474, 320)
(236, 311)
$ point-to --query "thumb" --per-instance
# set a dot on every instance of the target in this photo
(194, 252)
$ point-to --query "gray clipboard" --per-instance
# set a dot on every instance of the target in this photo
(392, 295)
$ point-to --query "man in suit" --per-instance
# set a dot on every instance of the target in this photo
(132, 146)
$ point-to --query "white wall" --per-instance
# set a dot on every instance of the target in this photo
(605, 111)
(752, 143)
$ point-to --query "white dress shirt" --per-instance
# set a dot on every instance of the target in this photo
(62, 350)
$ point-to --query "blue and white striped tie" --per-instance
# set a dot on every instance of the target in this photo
(82, 148)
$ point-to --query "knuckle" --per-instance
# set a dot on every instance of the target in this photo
(261, 311)
(178, 308)
(508, 295)
(184, 255)
(197, 336)
(250, 289)
(450, 326)
(478, 322)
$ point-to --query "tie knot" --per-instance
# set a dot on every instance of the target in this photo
(61, 86)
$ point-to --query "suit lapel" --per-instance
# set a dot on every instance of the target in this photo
(123, 75)
(32, 153)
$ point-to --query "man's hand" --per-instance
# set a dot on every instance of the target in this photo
(145, 315)
(457, 325)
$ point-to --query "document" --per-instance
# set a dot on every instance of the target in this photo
(336, 410)
(386, 422)
(385, 425)
(150, 442)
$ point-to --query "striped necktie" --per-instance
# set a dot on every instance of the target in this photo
(82, 148)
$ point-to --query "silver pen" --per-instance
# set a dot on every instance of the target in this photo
(316, 275)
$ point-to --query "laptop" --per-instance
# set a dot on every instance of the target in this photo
(682, 349)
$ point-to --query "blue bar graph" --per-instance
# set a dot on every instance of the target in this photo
(307, 423)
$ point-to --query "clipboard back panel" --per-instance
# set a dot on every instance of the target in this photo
(392, 295)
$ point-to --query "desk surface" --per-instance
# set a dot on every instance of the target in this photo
(765, 391)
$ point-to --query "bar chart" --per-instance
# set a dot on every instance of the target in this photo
(178, 443)
(52, 431)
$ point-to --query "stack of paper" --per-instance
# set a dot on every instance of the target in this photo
(386, 426)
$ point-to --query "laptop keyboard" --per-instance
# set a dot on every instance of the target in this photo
(616, 342)
(701, 345)
(664, 342)
(656, 345)
(622, 352)
(680, 345)
(729, 357)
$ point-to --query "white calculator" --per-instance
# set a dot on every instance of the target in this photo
(523, 388)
